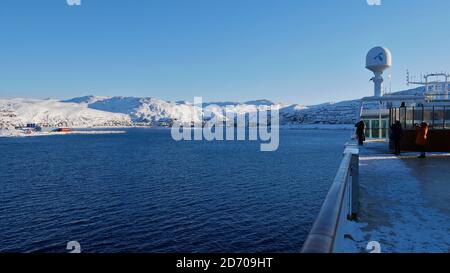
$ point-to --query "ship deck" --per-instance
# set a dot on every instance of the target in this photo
(404, 200)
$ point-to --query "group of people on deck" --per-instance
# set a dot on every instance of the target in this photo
(397, 135)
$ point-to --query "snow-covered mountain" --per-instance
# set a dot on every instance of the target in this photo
(94, 111)
(19, 112)
(327, 113)
(153, 111)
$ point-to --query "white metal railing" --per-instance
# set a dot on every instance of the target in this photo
(341, 204)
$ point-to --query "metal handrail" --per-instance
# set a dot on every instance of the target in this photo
(324, 233)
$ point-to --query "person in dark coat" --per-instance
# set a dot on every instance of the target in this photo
(396, 136)
(360, 132)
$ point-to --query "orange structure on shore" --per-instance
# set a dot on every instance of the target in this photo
(64, 130)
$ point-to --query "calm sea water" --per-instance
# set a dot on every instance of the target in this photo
(143, 192)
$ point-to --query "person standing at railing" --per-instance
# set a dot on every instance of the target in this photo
(360, 132)
(422, 138)
(396, 136)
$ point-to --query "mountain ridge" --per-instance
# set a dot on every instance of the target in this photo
(110, 111)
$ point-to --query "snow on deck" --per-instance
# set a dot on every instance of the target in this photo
(404, 200)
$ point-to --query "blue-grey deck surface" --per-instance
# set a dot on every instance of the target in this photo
(405, 200)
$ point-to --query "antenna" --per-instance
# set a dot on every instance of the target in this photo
(407, 77)
(390, 83)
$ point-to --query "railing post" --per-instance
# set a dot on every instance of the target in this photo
(406, 120)
(353, 183)
(354, 172)
(445, 115)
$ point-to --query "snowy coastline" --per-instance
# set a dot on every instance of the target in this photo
(317, 127)
(121, 130)
(19, 133)
(98, 112)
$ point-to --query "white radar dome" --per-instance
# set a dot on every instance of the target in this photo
(378, 59)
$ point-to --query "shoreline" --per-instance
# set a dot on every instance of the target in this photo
(20, 134)
(281, 127)
(120, 130)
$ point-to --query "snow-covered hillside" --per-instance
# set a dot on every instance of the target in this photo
(19, 112)
(93, 111)
(328, 113)
(154, 111)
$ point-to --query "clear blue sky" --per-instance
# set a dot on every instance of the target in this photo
(302, 51)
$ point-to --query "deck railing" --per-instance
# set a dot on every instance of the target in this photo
(341, 204)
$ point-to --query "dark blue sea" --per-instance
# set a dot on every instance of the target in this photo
(143, 192)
